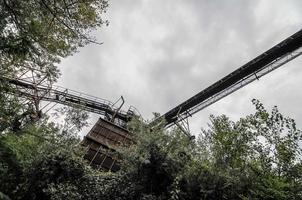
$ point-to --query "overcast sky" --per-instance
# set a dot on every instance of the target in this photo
(158, 53)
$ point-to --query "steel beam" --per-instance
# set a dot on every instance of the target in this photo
(268, 61)
(68, 97)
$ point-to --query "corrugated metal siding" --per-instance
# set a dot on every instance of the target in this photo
(102, 141)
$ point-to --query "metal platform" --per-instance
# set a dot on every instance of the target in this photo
(57, 94)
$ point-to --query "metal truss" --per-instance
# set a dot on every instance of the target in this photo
(241, 83)
(184, 127)
(34, 86)
(36, 78)
(275, 57)
(57, 94)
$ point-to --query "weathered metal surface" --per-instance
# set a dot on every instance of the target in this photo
(102, 141)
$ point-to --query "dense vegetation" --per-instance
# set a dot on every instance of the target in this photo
(38, 33)
(257, 157)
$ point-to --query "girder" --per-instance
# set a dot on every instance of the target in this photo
(268, 61)
(68, 97)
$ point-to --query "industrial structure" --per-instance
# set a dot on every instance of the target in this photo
(110, 131)
(102, 141)
(268, 61)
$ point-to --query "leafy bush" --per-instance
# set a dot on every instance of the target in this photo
(257, 157)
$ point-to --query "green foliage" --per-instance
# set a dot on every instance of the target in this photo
(257, 154)
(35, 35)
(38, 33)
(10, 107)
(43, 160)
(257, 157)
(3, 196)
(55, 168)
(39, 155)
(74, 118)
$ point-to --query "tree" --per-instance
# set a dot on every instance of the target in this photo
(38, 33)
(257, 157)
(41, 154)
(41, 158)
(10, 107)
